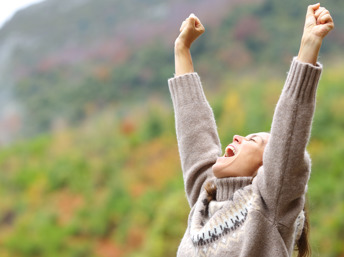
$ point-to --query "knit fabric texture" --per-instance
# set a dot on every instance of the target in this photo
(263, 217)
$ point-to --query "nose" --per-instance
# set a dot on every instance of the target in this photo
(238, 139)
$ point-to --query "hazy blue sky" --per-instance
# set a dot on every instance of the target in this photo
(8, 8)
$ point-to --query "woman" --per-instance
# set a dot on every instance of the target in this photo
(250, 201)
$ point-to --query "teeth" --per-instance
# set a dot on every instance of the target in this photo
(233, 149)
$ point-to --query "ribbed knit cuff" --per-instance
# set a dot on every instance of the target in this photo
(302, 81)
(186, 89)
(227, 186)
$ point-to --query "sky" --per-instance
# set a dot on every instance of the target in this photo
(8, 8)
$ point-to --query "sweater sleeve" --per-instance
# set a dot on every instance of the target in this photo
(198, 140)
(286, 163)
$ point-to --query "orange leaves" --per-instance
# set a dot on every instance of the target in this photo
(135, 237)
(66, 204)
(107, 248)
(152, 165)
(127, 127)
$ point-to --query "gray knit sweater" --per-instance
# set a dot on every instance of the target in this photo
(262, 218)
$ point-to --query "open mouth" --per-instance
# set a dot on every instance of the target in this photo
(230, 151)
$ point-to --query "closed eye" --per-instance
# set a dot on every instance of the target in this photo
(254, 139)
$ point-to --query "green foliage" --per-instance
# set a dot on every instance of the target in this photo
(113, 185)
(108, 183)
(70, 191)
(48, 96)
(91, 59)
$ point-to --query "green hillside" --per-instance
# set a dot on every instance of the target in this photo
(113, 187)
(91, 166)
(64, 56)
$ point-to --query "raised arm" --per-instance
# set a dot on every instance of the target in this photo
(286, 164)
(198, 141)
(318, 24)
(190, 30)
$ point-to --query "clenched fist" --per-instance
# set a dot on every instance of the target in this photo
(318, 22)
(317, 25)
(190, 30)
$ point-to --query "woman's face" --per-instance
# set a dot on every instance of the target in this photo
(242, 157)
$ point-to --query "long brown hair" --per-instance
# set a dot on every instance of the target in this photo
(302, 245)
(210, 187)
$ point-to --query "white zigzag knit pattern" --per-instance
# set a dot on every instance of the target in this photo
(225, 222)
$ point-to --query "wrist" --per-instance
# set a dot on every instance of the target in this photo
(180, 46)
(311, 41)
(309, 49)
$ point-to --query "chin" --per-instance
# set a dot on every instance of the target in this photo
(219, 172)
(222, 172)
(226, 167)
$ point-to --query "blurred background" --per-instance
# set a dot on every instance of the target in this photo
(89, 160)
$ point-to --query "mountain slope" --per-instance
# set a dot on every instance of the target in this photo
(61, 61)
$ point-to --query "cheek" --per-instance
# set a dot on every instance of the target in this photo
(256, 157)
(260, 157)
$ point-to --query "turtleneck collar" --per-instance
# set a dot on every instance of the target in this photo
(227, 186)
